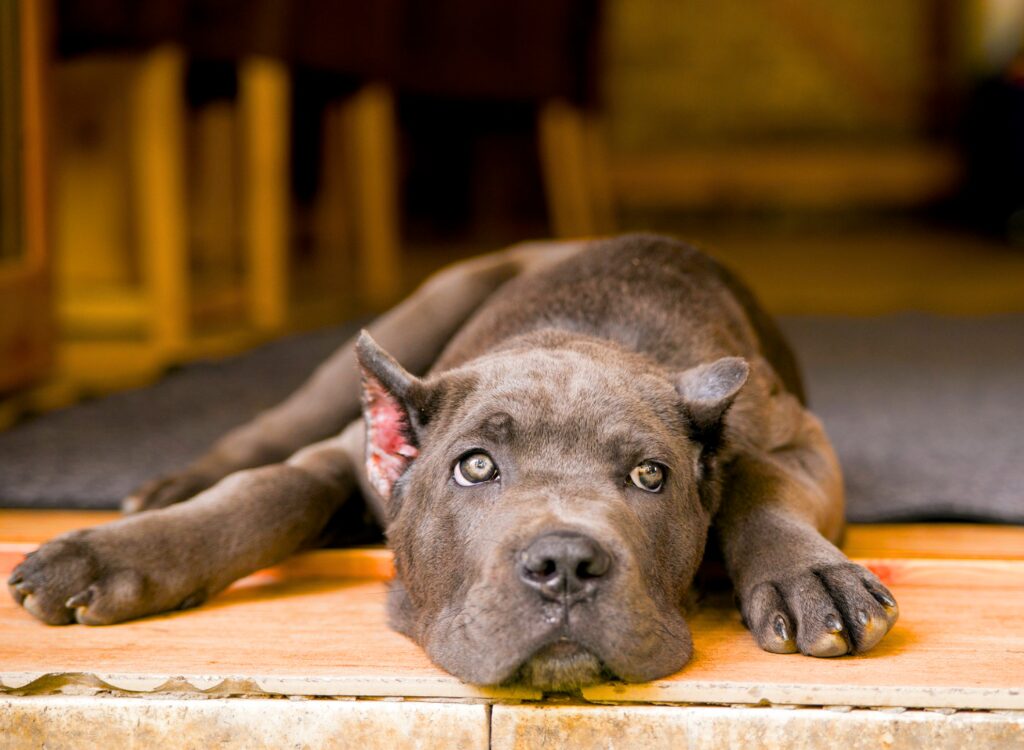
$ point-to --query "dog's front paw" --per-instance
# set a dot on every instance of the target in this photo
(830, 610)
(165, 491)
(69, 579)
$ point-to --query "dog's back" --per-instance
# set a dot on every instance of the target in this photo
(649, 293)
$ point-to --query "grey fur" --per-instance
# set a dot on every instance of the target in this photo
(569, 364)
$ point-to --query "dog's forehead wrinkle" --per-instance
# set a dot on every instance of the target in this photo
(577, 406)
(569, 370)
(645, 441)
(497, 427)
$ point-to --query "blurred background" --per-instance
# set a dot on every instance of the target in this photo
(186, 179)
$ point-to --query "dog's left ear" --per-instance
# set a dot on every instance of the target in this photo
(708, 391)
(394, 403)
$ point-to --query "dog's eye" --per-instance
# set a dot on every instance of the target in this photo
(475, 468)
(648, 476)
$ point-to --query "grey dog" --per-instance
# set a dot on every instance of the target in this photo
(592, 413)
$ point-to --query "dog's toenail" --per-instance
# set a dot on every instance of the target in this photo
(884, 598)
(833, 623)
(830, 644)
(779, 626)
(862, 617)
(82, 599)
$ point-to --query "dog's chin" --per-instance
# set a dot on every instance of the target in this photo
(563, 666)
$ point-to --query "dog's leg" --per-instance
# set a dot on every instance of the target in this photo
(415, 332)
(797, 590)
(179, 556)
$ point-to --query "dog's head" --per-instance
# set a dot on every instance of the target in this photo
(548, 506)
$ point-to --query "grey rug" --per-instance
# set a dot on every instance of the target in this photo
(927, 414)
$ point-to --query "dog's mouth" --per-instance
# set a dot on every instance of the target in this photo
(562, 666)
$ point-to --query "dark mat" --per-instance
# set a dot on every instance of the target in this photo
(93, 454)
(927, 414)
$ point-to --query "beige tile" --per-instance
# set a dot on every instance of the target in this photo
(704, 728)
(75, 722)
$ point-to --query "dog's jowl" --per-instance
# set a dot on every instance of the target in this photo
(549, 434)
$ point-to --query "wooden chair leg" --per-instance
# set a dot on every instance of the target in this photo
(264, 94)
(602, 199)
(213, 201)
(158, 176)
(332, 216)
(575, 172)
(372, 154)
(26, 330)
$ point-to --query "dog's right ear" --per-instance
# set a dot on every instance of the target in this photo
(392, 410)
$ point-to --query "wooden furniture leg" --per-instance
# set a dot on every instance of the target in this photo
(372, 155)
(26, 329)
(575, 171)
(264, 94)
(158, 165)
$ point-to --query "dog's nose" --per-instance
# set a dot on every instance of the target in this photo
(563, 564)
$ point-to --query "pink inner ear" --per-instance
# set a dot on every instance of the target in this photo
(388, 450)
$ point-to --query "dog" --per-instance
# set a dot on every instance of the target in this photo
(591, 414)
